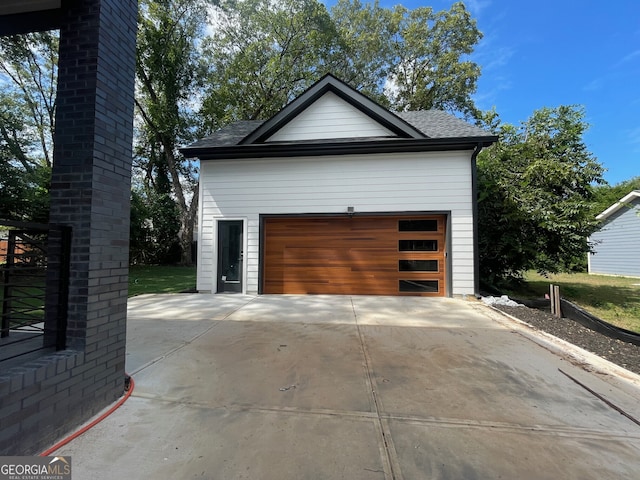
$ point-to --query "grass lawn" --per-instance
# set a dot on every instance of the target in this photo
(613, 299)
(160, 279)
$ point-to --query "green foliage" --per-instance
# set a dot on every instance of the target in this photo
(364, 51)
(155, 223)
(535, 196)
(607, 195)
(140, 230)
(168, 67)
(12, 191)
(28, 74)
(165, 220)
(431, 68)
(408, 59)
(170, 72)
(264, 54)
(29, 68)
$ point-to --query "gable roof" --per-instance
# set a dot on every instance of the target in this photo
(427, 130)
(624, 201)
(329, 83)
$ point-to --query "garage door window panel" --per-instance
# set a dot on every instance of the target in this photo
(420, 245)
(428, 225)
(418, 265)
(418, 286)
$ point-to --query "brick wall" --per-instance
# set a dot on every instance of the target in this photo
(45, 399)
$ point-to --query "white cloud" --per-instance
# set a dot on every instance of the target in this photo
(491, 91)
(634, 136)
(496, 58)
(629, 57)
(477, 6)
(595, 84)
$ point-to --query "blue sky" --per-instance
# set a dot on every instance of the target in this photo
(562, 52)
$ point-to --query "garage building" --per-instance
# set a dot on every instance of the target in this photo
(337, 195)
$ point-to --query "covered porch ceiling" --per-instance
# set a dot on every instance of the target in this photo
(11, 7)
(22, 16)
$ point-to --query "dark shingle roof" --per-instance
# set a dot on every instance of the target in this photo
(429, 129)
(433, 123)
(439, 124)
(229, 135)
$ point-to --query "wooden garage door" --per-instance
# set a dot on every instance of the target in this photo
(360, 255)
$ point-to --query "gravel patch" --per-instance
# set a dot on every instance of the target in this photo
(626, 355)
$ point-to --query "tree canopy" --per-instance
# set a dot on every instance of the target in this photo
(606, 195)
(263, 54)
(266, 53)
(28, 75)
(536, 195)
(170, 72)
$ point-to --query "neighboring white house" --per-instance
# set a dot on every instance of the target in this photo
(617, 242)
(335, 194)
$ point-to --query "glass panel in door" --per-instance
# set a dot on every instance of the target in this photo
(230, 256)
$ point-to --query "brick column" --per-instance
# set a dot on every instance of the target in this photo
(90, 187)
(47, 397)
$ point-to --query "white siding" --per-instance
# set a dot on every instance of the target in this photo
(618, 244)
(411, 182)
(330, 117)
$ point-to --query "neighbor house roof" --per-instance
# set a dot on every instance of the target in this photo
(624, 201)
(413, 131)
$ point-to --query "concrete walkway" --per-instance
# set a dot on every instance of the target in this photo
(339, 387)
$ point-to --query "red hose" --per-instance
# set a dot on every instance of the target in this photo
(64, 441)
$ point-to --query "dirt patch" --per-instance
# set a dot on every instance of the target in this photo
(621, 353)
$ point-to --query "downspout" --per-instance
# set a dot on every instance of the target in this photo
(474, 210)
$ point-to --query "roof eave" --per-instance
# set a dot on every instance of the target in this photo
(270, 150)
(618, 205)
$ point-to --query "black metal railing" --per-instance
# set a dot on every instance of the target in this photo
(34, 276)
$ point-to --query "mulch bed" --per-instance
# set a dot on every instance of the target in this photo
(627, 355)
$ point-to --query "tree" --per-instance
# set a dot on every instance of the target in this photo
(28, 75)
(535, 195)
(363, 56)
(417, 58)
(141, 241)
(430, 71)
(170, 72)
(606, 195)
(264, 54)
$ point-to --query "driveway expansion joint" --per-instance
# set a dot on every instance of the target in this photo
(391, 462)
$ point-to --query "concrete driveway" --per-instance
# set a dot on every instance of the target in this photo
(339, 387)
